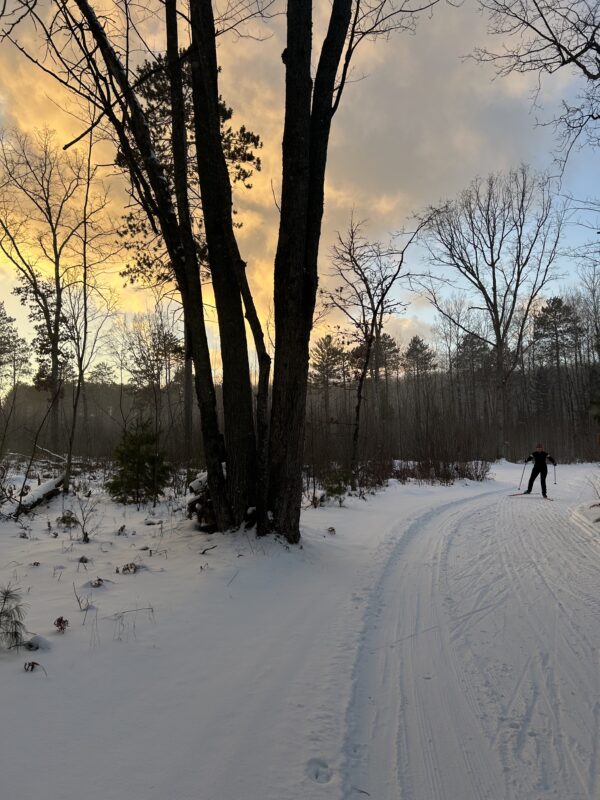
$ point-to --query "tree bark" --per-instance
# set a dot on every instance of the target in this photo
(161, 205)
(54, 401)
(191, 290)
(305, 143)
(357, 411)
(293, 309)
(501, 396)
(71, 440)
(188, 393)
(225, 263)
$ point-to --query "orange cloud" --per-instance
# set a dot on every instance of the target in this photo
(416, 124)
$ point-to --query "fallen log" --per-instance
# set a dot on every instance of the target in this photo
(39, 494)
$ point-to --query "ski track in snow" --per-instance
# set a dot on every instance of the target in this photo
(443, 645)
(477, 675)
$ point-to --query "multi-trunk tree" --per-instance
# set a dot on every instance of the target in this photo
(91, 52)
(151, 264)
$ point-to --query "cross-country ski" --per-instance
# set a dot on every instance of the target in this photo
(526, 494)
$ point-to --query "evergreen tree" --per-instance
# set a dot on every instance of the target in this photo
(14, 352)
(556, 331)
(326, 361)
(326, 371)
(141, 473)
(389, 354)
(102, 374)
(418, 358)
(472, 355)
(150, 261)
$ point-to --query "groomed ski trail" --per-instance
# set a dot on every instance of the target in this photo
(477, 677)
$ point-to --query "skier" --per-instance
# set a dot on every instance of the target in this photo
(539, 457)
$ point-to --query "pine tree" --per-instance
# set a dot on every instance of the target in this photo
(556, 331)
(14, 352)
(418, 358)
(326, 366)
(142, 473)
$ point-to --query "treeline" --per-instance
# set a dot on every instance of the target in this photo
(438, 399)
(421, 400)
(498, 242)
(143, 378)
(107, 410)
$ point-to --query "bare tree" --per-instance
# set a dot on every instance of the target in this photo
(589, 275)
(14, 364)
(88, 304)
(152, 355)
(499, 241)
(52, 221)
(88, 308)
(366, 273)
(544, 36)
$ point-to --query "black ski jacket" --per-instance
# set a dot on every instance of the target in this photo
(540, 457)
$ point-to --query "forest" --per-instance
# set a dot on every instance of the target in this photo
(299, 399)
(319, 389)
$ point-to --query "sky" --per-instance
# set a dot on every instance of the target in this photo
(418, 121)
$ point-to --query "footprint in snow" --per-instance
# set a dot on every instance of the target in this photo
(318, 770)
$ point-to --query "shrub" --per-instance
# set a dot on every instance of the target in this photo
(12, 614)
(67, 519)
(335, 483)
(443, 472)
(141, 472)
(374, 473)
(473, 470)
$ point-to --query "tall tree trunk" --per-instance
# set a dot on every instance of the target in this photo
(305, 144)
(86, 416)
(400, 432)
(188, 392)
(158, 201)
(293, 308)
(225, 263)
(54, 401)
(501, 401)
(357, 413)
(71, 440)
(191, 290)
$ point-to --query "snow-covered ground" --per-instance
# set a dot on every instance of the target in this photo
(441, 644)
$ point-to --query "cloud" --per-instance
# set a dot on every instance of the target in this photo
(417, 123)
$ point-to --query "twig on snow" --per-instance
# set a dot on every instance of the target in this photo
(233, 578)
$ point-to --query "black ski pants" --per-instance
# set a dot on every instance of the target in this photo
(542, 472)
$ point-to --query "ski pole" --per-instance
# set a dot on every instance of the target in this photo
(523, 473)
(555, 474)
